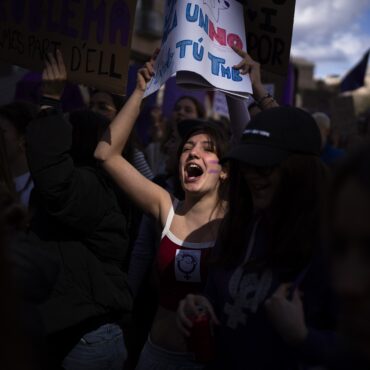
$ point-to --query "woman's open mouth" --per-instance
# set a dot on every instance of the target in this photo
(193, 172)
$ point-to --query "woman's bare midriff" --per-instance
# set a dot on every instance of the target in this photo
(165, 333)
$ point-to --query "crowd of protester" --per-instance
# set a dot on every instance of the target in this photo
(110, 252)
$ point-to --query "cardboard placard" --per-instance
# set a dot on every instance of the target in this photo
(269, 25)
(93, 35)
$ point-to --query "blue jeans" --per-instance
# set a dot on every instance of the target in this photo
(101, 349)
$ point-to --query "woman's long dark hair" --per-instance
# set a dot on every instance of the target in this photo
(232, 235)
(297, 212)
(293, 220)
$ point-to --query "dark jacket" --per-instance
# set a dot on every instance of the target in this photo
(246, 339)
(77, 214)
(34, 274)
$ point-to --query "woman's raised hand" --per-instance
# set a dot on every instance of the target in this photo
(54, 76)
(146, 73)
(248, 65)
(188, 308)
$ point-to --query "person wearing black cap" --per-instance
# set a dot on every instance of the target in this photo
(189, 227)
(269, 251)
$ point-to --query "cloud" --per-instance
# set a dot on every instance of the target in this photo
(330, 31)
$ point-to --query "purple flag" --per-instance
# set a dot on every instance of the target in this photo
(289, 87)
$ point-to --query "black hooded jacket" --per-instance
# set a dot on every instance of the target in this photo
(78, 217)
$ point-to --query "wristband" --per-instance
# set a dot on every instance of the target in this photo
(261, 100)
(266, 101)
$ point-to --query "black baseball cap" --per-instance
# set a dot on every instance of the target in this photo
(274, 134)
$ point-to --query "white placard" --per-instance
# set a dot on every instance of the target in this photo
(197, 39)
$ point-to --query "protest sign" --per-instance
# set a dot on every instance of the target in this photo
(93, 35)
(269, 25)
(196, 45)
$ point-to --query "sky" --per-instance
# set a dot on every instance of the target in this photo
(334, 34)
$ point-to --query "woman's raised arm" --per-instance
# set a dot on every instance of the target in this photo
(149, 196)
(115, 138)
(247, 65)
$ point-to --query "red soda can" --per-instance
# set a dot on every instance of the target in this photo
(201, 340)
